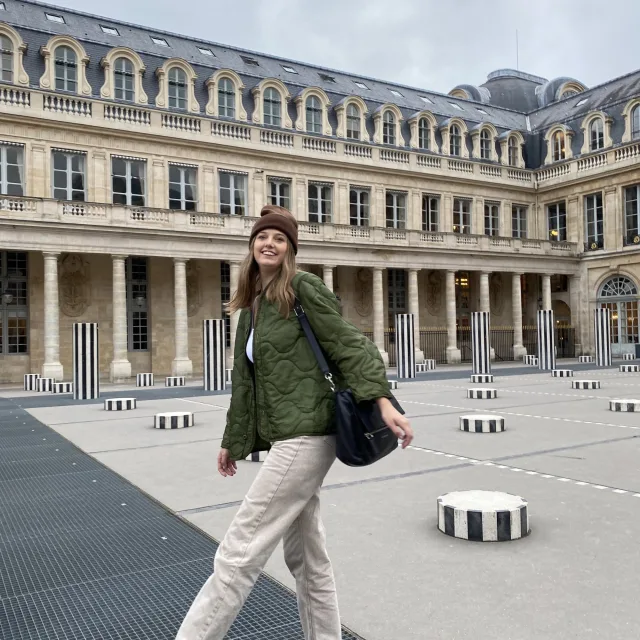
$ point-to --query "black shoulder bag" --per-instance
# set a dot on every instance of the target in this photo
(362, 437)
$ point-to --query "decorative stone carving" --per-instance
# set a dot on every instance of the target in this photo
(364, 292)
(194, 301)
(434, 293)
(75, 285)
(497, 299)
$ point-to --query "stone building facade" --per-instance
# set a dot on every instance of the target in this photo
(133, 164)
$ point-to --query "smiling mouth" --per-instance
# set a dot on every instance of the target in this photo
(269, 253)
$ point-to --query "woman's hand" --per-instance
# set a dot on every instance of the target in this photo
(395, 421)
(226, 466)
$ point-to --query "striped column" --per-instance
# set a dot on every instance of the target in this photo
(602, 332)
(86, 376)
(546, 341)
(480, 347)
(214, 355)
(405, 346)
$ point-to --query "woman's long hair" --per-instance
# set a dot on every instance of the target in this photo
(279, 291)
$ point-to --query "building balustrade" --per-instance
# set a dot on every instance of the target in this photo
(98, 214)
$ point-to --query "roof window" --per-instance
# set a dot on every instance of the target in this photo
(251, 61)
(426, 100)
(362, 85)
(581, 102)
(206, 52)
(289, 69)
(456, 106)
(326, 78)
(112, 31)
(160, 41)
(53, 17)
(2, 6)
(396, 93)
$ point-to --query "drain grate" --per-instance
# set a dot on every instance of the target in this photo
(85, 555)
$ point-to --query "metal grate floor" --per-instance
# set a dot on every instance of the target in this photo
(84, 555)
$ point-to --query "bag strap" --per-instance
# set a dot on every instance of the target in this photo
(313, 342)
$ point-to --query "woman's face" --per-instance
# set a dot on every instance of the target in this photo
(270, 249)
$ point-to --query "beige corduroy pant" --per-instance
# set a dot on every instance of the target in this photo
(283, 503)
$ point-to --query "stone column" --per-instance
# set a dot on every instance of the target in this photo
(453, 353)
(120, 367)
(546, 291)
(52, 367)
(485, 301)
(516, 301)
(234, 276)
(327, 276)
(574, 302)
(378, 314)
(181, 365)
(414, 308)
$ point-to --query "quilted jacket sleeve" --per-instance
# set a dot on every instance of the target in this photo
(357, 358)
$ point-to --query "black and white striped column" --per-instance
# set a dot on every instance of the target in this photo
(405, 346)
(31, 381)
(483, 516)
(86, 376)
(602, 332)
(257, 456)
(480, 345)
(214, 355)
(144, 380)
(546, 340)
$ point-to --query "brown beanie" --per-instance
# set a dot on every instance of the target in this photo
(274, 217)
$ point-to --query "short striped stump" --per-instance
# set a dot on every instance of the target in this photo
(174, 381)
(173, 420)
(119, 404)
(630, 368)
(31, 381)
(62, 387)
(427, 365)
(628, 356)
(562, 373)
(257, 456)
(477, 423)
(45, 384)
(531, 360)
(482, 378)
(483, 516)
(482, 394)
(585, 358)
(393, 384)
(144, 380)
(585, 384)
(624, 405)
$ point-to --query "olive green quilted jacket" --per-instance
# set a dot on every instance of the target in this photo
(290, 397)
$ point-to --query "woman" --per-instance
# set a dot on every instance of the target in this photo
(281, 401)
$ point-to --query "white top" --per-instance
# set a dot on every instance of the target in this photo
(250, 346)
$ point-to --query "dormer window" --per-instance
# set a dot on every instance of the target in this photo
(388, 128)
(558, 142)
(596, 134)
(455, 140)
(53, 17)
(485, 145)
(159, 41)
(177, 88)
(112, 31)
(361, 85)
(66, 63)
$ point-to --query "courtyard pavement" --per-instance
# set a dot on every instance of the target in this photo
(573, 460)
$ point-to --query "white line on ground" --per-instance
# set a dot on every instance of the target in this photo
(205, 404)
(548, 476)
(521, 415)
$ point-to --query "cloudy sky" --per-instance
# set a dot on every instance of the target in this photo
(432, 44)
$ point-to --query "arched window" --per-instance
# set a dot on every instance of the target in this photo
(177, 88)
(66, 63)
(513, 151)
(558, 142)
(272, 107)
(6, 59)
(124, 79)
(635, 122)
(620, 295)
(353, 122)
(226, 98)
(596, 134)
(455, 140)
(314, 115)
(485, 145)
(388, 128)
(568, 93)
(424, 134)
